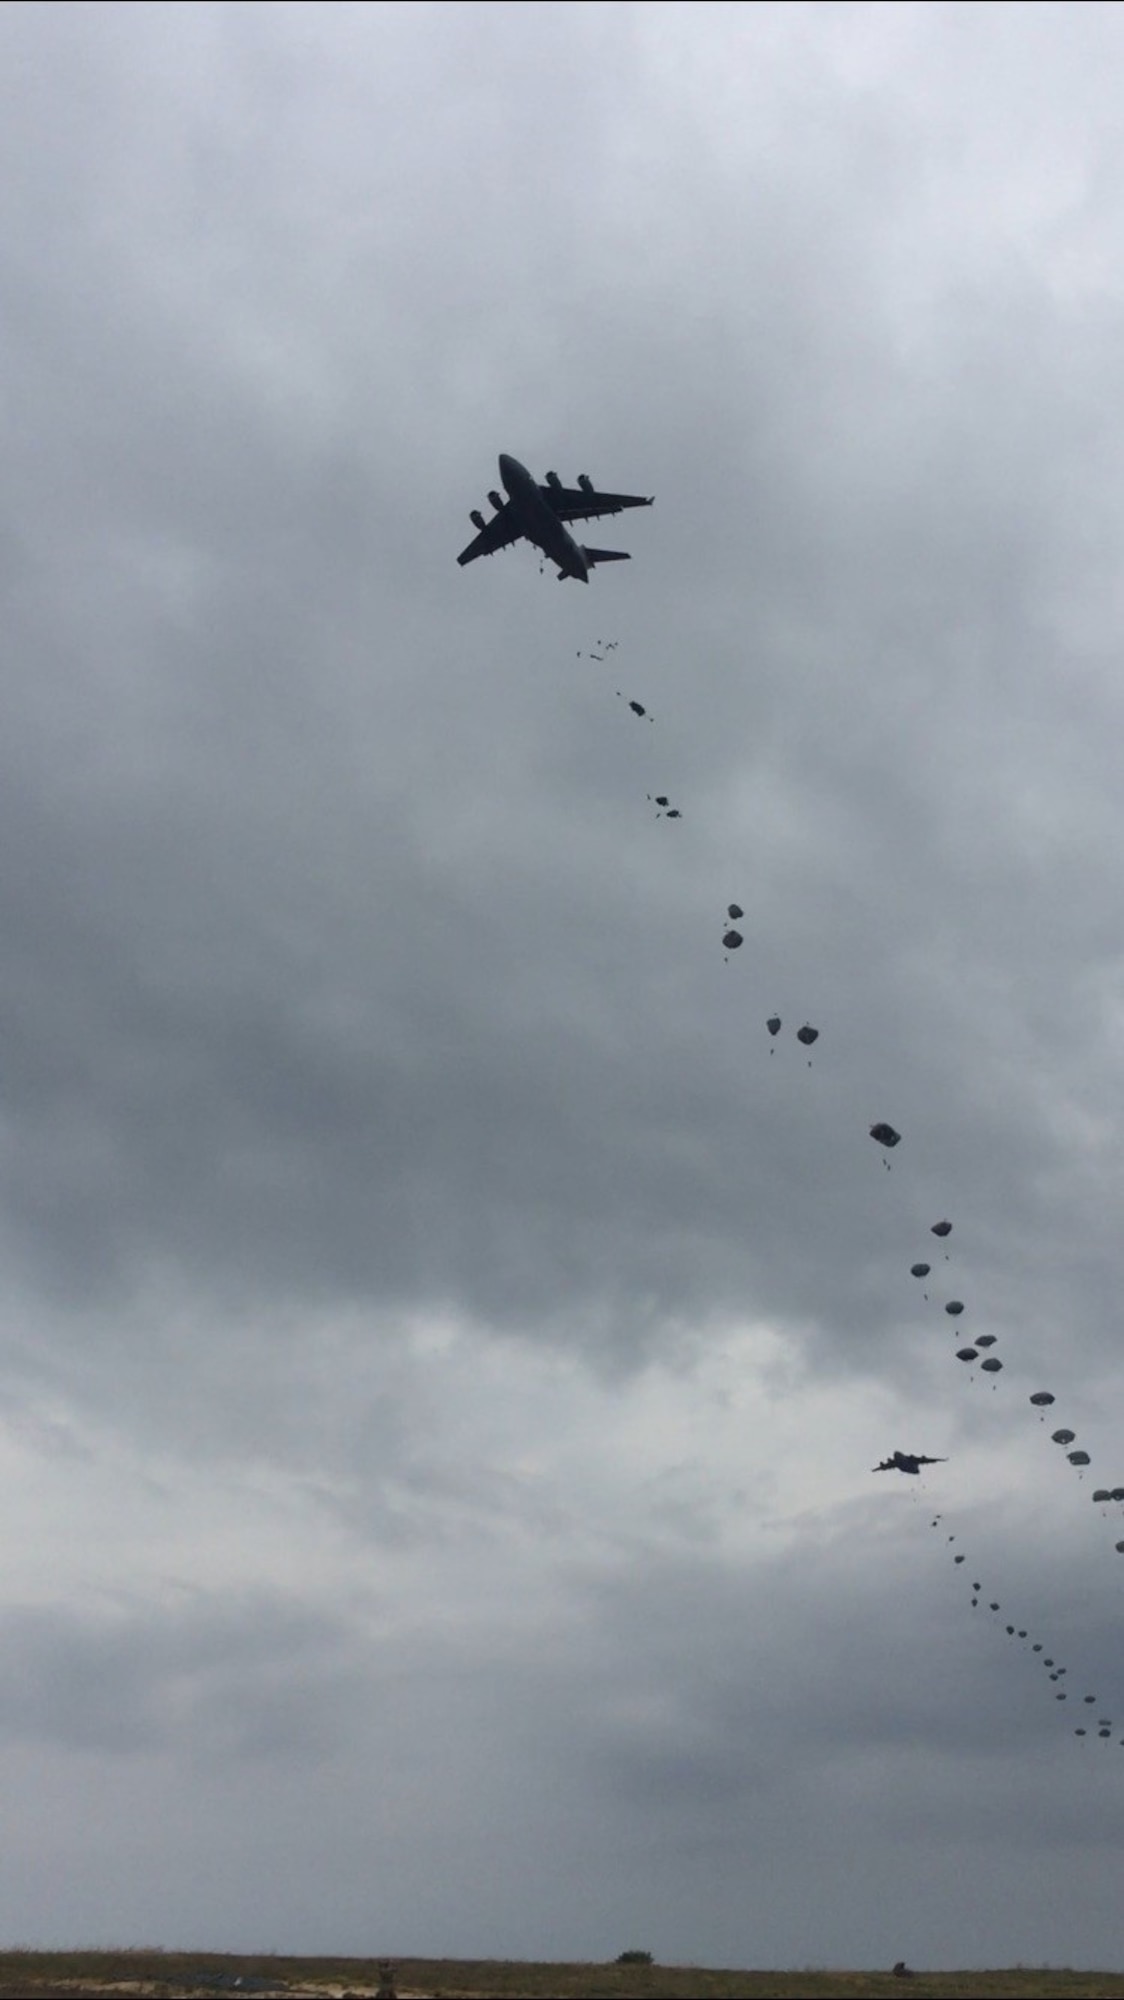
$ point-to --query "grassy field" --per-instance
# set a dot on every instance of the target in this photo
(176, 1974)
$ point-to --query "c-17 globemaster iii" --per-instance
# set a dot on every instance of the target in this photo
(540, 513)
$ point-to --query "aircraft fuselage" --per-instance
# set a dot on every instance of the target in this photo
(539, 522)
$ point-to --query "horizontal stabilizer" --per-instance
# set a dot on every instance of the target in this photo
(607, 555)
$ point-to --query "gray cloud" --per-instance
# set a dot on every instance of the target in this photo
(420, 1277)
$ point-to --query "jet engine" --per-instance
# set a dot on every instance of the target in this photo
(476, 517)
(585, 482)
(496, 499)
(552, 479)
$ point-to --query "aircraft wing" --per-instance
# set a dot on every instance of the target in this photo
(498, 533)
(574, 503)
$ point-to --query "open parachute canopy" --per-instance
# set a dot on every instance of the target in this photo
(884, 1135)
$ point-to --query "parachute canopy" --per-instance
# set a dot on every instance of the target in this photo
(1078, 1457)
(807, 1035)
(992, 1365)
(732, 940)
(955, 1307)
(1063, 1437)
(942, 1229)
(986, 1339)
(774, 1024)
(919, 1270)
(884, 1135)
(967, 1354)
(734, 912)
(1042, 1399)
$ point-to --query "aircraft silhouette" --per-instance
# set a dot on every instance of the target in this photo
(540, 513)
(906, 1461)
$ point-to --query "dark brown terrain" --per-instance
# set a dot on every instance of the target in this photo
(202, 1975)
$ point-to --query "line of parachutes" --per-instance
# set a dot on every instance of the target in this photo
(976, 1350)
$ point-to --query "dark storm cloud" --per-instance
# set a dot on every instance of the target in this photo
(348, 977)
(208, 876)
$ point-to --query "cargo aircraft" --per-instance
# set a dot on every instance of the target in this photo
(540, 513)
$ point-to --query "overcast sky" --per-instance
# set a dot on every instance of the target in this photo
(445, 1344)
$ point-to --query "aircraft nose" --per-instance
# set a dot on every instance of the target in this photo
(508, 465)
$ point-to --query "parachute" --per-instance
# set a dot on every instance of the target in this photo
(807, 1035)
(919, 1270)
(967, 1354)
(884, 1135)
(1063, 1437)
(1042, 1399)
(942, 1229)
(734, 912)
(1078, 1457)
(955, 1307)
(992, 1365)
(732, 940)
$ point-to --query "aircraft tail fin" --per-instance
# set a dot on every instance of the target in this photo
(606, 555)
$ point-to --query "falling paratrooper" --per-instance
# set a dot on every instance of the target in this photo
(807, 1035)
